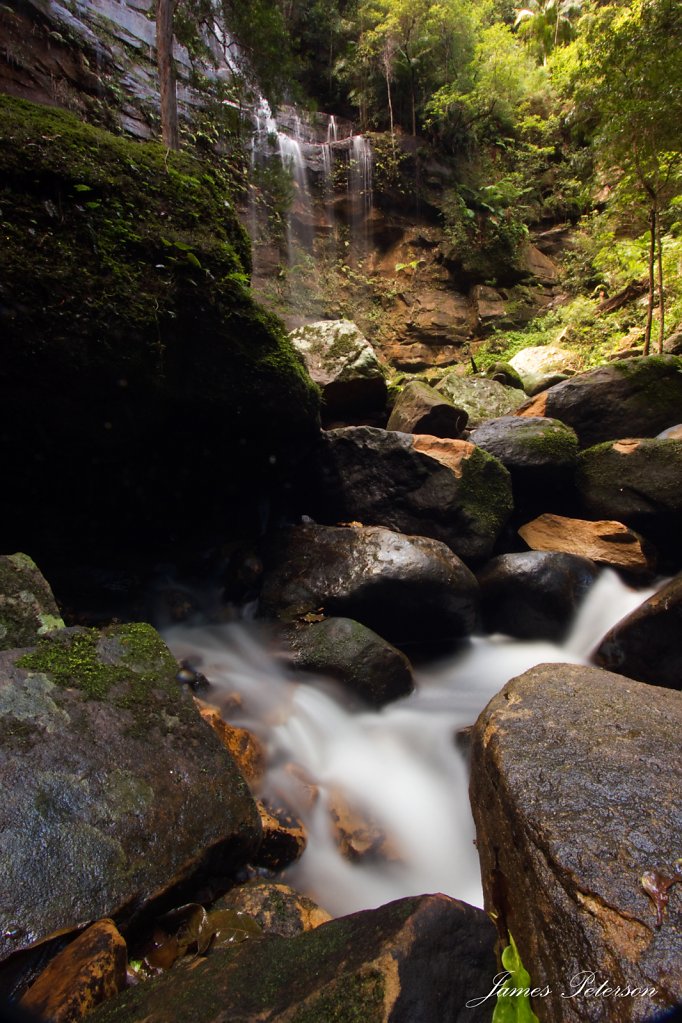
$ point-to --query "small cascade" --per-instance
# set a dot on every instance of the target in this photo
(328, 153)
(399, 766)
(360, 191)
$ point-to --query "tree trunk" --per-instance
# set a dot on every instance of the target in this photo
(661, 293)
(164, 56)
(652, 255)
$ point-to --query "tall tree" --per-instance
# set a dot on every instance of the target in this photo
(631, 70)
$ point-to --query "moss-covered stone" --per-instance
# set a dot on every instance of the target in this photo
(414, 959)
(111, 779)
(136, 360)
(27, 605)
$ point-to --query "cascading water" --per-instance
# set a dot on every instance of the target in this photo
(399, 767)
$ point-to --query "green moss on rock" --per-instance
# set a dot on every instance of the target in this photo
(27, 605)
(137, 360)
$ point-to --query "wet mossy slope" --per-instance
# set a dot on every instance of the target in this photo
(138, 371)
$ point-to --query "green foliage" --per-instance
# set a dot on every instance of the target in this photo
(511, 1007)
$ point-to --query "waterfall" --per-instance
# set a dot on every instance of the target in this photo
(399, 766)
(360, 189)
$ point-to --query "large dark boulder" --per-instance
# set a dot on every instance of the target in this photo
(114, 789)
(646, 644)
(360, 660)
(638, 482)
(540, 455)
(406, 588)
(412, 961)
(575, 782)
(630, 398)
(534, 595)
(135, 361)
(420, 408)
(446, 489)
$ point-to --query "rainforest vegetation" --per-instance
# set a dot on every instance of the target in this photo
(559, 111)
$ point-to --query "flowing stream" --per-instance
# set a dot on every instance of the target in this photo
(399, 767)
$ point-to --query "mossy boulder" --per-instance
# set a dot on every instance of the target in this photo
(420, 408)
(411, 961)
(447, 489)
(480, 397)
(629, 398)
(344, 365)
(540, 455)
(135, 361)
(27, 605)
(360, 660)
(114, 789)
(638, 482)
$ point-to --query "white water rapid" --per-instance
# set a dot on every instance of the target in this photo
(399, 766)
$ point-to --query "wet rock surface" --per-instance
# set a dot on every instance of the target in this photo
(277, 908)
(646, 644)
(111, 779)
(630, 398)
(445, 489)
(534, 595)
(27, 605)
(420, 408)
(355, 656)
(575, 792)
(89, 971)
(412, 961)
(407, 588)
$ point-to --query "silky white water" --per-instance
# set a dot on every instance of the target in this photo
(399, 767)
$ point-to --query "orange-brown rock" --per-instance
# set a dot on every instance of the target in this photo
(242, 744)
(88, 971)
(357, 834)
(278, 908)
(575, 783)
(610, 543)
(284, 838)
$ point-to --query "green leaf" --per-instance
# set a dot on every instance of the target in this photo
(512, 1007)
(191, 258)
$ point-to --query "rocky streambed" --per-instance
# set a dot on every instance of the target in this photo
(140, 823)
